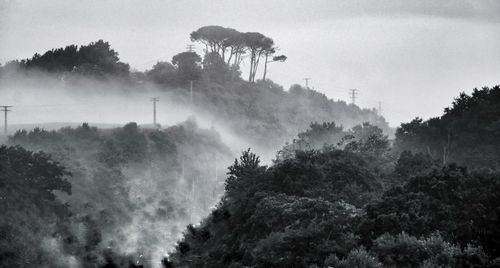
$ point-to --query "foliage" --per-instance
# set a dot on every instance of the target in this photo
(403, 250)
(163, 73)
(124, 180)
(188, 66)
(293, 214)
(31, 213)
(466, 132)
(96, 59)
(231, 44)
(462, 205)
(410, 164)
(349, 201)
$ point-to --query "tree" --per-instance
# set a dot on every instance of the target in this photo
(218, 39)
(257, 44)
(464, 134)
(462, 205)
(242, 172)
(403, 250)
(215, 68)
(31, 212)
(369, 142)
(410, 164)
(315, 138)
(96, 59)
(270, 52)
(163, 73)
(188, 66)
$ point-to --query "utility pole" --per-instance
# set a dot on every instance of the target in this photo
(307, 82)
(190, 48)
(5, 109)
(379, 108)
(154, 100)
(353, 93)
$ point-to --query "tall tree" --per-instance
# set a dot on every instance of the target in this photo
(257, 44)
(163, 73)
(188, 66)
(269, 54)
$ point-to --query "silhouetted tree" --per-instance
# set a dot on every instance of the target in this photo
(257, 44)
(163, 73)
(188, 66)
(269, 58)
(97, 59)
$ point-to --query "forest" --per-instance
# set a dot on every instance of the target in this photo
(332, 184)
(336, 198)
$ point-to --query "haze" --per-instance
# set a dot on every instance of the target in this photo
(413, 56)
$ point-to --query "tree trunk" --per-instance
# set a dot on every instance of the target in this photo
(251, 68)
(230, 56)
(265, 68)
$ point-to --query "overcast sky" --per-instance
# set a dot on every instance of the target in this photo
(413, 56)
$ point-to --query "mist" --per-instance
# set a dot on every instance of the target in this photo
(256, 141)
(163, 194)
(394, 53)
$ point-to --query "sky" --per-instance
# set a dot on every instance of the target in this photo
(412, 56)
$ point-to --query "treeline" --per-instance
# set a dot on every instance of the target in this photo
(224, 48)
(96, 59)
(260, 110)
(231, 45)
(74, 197)
(467, 133)
(347, 198)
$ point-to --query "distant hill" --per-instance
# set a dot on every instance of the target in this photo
(260, 111)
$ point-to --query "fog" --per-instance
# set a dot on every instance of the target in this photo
(408, 56)
(135, 188)
(189, 187)
(39, 100)
(49, 102)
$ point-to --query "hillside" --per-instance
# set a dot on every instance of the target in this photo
(260, 111)
(467, 133)
(324, 183)
(345, 198)
(113, 191)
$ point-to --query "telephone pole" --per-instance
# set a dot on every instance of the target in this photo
(5, 109)
(154, 100)
(353, 93)
(307, 82)
(190, 48)
(379, 108)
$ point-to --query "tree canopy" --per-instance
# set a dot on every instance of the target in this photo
(96, 59)
(466, 133)
(231, 45)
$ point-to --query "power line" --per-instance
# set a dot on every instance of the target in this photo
(154, 100)
(5, 109)
(353, 93)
